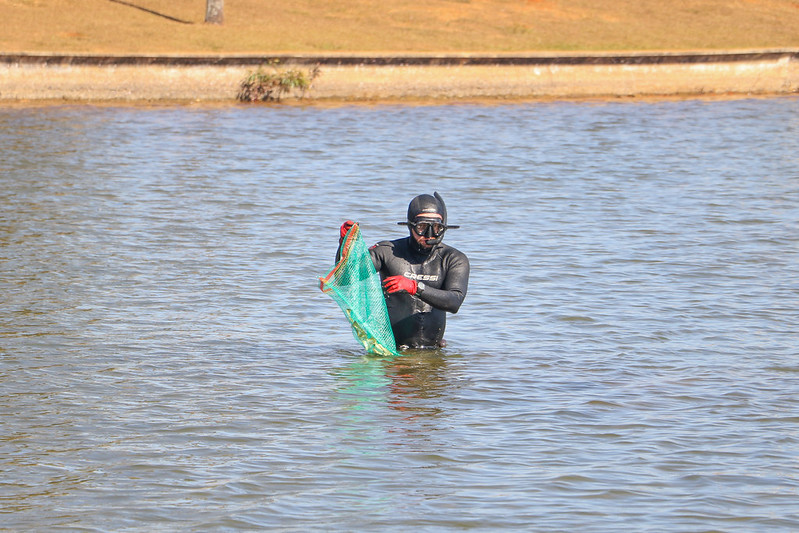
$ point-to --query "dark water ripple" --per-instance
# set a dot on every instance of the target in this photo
(626, 358)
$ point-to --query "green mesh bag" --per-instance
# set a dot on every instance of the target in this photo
(355, 286)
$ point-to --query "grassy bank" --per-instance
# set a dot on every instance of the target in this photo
(447, 26)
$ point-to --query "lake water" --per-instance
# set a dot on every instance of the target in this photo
(627, 358)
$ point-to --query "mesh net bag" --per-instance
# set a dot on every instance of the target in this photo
(355, 286)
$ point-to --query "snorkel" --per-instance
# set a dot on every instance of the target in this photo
(427, 217)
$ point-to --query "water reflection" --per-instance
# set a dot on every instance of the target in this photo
(363, 384)
(413, 385)
(419, 383)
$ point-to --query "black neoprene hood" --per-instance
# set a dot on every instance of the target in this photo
(424, 203)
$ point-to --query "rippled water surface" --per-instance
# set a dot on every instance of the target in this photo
(627, 357)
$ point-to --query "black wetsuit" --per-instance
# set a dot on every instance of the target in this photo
(443, 275)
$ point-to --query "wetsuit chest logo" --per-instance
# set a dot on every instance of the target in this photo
(421, 277)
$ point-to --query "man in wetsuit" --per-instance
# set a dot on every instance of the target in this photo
(423, 279)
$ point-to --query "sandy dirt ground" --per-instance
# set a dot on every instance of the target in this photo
(25, 82)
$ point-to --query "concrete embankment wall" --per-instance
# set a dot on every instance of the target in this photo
(26, 77)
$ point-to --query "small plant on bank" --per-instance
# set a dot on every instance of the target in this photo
(264, 86)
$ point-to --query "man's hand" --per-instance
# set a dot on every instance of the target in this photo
(346, 227)
(399, 283)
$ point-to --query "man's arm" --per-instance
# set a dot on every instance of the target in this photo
(343, 233)
(450, 296)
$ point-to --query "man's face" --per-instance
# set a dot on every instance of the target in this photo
(425, 225)
(421, 240)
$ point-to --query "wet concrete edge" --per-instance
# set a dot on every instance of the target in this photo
(642, 58)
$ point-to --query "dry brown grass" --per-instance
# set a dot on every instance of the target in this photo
(399, 26)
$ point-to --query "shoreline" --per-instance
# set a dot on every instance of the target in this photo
(79, 78)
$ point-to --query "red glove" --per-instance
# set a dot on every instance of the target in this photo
(346, 227)
(400, 283)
